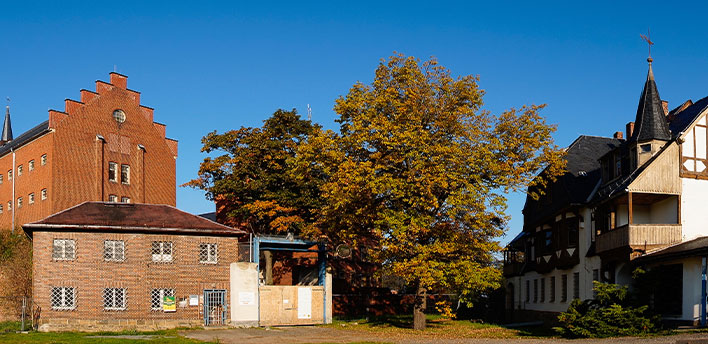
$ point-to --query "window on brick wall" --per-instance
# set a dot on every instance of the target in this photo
(157, 297)
(114, 299)
(63, 249)
(9, 175)
(19, 202)
(30, 198)
(552, 297)
(19, 170)
(125, 199)
(112, 198)
(1, 209)
(1, 178)
(63, 298)
(576, 285)
(112, 171)
(9, 205)
(162, 251)
(208, 253)
(30, 165)
(114, 250)
(43, 160)
(564, 288)
(125, 174)
(44, 194)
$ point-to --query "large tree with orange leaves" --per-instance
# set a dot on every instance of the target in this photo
(421, 170)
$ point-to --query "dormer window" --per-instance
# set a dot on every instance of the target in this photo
(645, 148)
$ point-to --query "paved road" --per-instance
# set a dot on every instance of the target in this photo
(311, 334)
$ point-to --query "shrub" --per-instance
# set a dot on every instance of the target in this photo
(608, 315)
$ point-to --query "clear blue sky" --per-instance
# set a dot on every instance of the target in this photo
(209, 66)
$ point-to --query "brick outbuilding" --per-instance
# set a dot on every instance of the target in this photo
(104, 266)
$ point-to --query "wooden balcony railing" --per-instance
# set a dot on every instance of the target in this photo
(651, 236)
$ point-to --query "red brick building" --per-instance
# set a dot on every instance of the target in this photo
(103, 265)
(103, 147)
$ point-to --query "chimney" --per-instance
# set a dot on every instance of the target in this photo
(630, 130)
(618, 135)
(665, 106)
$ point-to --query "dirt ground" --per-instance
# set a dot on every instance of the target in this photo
(307, 334)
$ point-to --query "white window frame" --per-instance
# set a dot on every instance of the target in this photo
(19, 170)
(110, 299)
(162, 251)
(30, 198)
(43, 159)
(110, 254)
(65, 304)
(30, 165)
(113, 167)
(19, 202)
(113, 198)
(157, 297)
(125, 178)
(9, 175)
(208, 253)
(125, 199)
(59, 249)
(44, 194)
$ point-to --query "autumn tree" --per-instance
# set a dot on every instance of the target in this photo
(420, 169)
(250, 182)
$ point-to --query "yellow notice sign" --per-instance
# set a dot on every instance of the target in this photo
(169, 304)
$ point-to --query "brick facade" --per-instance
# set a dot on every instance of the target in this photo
(79, 143)
(89, 273)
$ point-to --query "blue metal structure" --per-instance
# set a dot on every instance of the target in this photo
(292, 244)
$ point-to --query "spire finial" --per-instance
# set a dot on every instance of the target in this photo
(647, 39)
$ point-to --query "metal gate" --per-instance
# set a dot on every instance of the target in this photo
(214, 307)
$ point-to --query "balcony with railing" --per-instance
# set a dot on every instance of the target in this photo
(642, 236)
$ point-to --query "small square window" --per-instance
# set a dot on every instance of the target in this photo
(63, 298)
(30, 164)
(114, 250)
(208, 254)
(125, 199)
(43, 160)
(112, 171)
(19, 170)
(157, 297)
(44, 194)
(19, 202)
(162, 251)
(114, 299)
(31, 198)
(125, 174)
(64, 249)
(646, 148)
(112, 198)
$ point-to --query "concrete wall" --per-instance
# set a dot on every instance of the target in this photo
(244, 294)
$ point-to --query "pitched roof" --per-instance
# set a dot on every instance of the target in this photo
(25, 137)
(683, 119)
(7, 126)
(650, 123)
(698, 246)
(578, 183)
(130, 217)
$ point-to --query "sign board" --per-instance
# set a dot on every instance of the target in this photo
(246, 298)
(194, 300)
(304, 303)
(169, 304)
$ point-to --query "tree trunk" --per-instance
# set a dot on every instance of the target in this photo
(268, 267)
(419, 308)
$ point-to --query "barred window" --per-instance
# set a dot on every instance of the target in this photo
(64, 249)
(125, 174)
(63, 298)
(43, 160)
(208, 253)
(112, 167)
(31, 165)
(114, 299)
(161, 251)
(157, 297)
(114, 250)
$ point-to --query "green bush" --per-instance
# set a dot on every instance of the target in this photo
(608, 315)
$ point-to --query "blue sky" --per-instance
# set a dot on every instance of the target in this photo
(208, 66)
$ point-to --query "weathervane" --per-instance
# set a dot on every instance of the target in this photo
(647, 39)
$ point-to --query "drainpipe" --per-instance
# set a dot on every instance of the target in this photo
(703, 292)
(13, 190)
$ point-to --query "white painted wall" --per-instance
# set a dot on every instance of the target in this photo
(694, 213)
(622, 215)
(661, 212)
(244, 294)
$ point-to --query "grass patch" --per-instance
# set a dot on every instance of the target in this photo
(396, 326)
(10, 326)
(155, 337)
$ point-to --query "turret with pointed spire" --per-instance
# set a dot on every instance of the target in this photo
(6, 128)
(650, 123)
